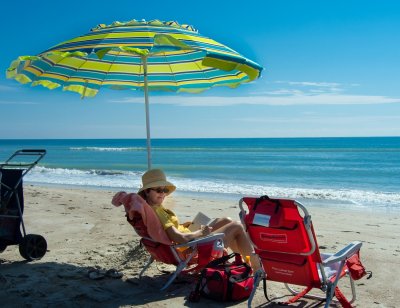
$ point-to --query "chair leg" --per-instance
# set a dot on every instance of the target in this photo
(329, 296)
(260, 274)
(353, 290)
(149, 261)
(179, 269)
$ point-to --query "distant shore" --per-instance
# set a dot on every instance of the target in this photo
(84, 230)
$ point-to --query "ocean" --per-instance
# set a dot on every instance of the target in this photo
(351, 172)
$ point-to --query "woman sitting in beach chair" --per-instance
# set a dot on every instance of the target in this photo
(155, 188)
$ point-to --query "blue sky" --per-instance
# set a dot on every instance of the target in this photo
(331, 68)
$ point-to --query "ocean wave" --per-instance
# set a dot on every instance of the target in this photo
(236, 149)
(77, 177)
(109, 149)
(352, 196)
(168, 149)
(131, 180)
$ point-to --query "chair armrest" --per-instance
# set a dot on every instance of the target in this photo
(208, 238)
(344, 253)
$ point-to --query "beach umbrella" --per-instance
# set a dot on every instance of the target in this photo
(138, 55)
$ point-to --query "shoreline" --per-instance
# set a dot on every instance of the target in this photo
(83, 230)
(346, 205)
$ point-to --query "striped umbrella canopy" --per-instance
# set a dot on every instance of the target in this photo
(138, 55)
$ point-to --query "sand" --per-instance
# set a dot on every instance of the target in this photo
(84, 231)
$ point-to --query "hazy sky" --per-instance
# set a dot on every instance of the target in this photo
(331, 68)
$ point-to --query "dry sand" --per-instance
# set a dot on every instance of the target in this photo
(84, 230)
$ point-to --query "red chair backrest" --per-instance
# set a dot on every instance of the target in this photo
(279, 235)
(138, 224)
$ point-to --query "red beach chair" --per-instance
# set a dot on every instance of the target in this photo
(190, 257)
(286, 244)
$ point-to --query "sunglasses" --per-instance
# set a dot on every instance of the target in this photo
(160, 190)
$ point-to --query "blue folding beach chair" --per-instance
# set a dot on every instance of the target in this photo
(12, 171)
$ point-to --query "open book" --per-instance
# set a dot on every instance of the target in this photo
(199, 219)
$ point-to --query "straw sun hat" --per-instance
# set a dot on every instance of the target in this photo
(156, 178)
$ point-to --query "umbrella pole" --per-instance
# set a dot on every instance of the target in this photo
(146, 101)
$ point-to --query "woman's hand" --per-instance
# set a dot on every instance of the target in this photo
(179, 237)
(187, 224)
(205, 230)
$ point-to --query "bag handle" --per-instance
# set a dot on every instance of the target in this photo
(242, 276)
(222, 260)
(238, 261)
(265, 197)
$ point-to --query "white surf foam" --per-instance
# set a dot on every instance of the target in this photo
(131, 181)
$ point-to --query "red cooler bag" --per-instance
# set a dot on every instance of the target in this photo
(225, 280)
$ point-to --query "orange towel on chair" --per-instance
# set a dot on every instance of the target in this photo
(135, 203)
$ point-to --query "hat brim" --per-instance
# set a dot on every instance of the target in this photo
(171, 187)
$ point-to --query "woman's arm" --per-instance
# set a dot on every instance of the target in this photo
(179, 237)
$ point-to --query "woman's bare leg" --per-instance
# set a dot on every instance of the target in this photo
(220, 222)
(236, 239)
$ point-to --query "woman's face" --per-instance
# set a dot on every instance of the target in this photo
(156, 195)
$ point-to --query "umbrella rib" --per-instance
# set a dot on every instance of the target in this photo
(76, 69)
(172, 71)
(204, 73)
(106, 73)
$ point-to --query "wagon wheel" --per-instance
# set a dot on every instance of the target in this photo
(33, 247)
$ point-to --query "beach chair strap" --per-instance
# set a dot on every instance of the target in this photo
(342, 299)
(299, 295)
(339, 295)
